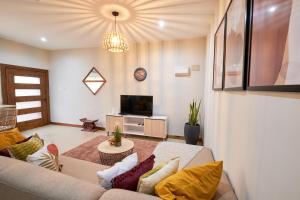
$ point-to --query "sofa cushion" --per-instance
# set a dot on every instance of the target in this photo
(116, 194)
(224, 190)
(43, 158)
(40, 183)
(10, 137)
(147, 184)
(105, 176)
(81, 169)
(196, 183)
(129, 180)
(21, 151)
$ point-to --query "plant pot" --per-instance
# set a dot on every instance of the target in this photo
(118, 144)
(191, 133)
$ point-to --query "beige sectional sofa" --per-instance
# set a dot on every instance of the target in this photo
(78, 181)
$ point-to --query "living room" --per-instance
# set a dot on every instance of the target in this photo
(138, 99)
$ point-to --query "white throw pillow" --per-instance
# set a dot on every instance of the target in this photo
(146, 184)
(125, 165)
(43, 158)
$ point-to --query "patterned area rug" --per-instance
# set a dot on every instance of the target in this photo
(88, 151)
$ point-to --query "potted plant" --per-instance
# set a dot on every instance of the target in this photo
(118, 136)
(192, 128)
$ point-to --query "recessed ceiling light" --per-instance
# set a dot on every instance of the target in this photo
(161, 23)
(43, 39)
(272, 9)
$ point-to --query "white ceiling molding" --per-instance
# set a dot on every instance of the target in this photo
(80, 24)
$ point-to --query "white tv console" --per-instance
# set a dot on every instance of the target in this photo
(155, 126)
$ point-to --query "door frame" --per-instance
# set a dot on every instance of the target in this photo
(4, 86)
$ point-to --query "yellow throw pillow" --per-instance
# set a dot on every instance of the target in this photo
(197, 183)
(21, 151)
(10, 137)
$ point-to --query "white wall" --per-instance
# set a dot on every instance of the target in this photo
(20, 54)
(71, 100)
(257, 134)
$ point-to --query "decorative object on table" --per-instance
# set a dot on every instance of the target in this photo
(89, 125)
(88, 151)
(274, 46)
(219, 53)
(115, 41)
(110, 154)
(140, 74)
(8, 117)
(129, 180)
(94, 81)
(116, 140)
(105, 176)
(199, 182)
(192, 128)
(235, 49)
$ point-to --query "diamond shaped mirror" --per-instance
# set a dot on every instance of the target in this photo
(94, 81)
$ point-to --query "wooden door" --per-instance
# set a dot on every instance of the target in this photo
(28, 89)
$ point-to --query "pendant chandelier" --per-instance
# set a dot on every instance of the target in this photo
(115, 41)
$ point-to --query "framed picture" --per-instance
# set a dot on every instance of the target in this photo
(235, 50)
(219, 53)
(274, 63)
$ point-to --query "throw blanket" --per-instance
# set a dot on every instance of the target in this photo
(165, 151)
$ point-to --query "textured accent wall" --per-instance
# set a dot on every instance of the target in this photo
(71, 100)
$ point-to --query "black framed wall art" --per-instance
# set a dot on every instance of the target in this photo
(274, 63)
(235, 50)
(219, 52)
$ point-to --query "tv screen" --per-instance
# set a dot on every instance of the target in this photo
(136, 105)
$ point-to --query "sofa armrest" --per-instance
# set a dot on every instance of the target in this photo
(118, 194)
(21, 180)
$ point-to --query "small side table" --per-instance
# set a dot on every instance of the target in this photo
(110, 154)
(89, 125)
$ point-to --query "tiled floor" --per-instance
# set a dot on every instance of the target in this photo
(66, 138)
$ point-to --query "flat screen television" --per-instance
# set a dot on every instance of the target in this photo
(136, 105)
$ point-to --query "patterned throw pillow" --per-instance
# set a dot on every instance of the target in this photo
(4, 152)
(129, 180)
(21, 151)
(10, 137)
(44, 158)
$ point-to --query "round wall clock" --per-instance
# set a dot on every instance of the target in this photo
(140, 74)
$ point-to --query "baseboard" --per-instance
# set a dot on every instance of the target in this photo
(74, 125)
(177, 137)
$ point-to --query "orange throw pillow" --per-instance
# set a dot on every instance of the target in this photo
(10, 137)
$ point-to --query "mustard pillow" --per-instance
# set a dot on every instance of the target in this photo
(197, 183)
(10, 137)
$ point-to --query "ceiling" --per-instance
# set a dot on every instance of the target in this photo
(83, 23)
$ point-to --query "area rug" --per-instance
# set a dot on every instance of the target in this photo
(88, 151)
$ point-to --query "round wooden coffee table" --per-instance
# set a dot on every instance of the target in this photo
(110, 154)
